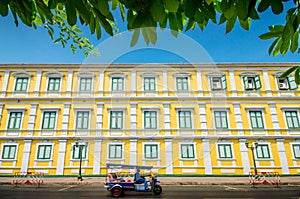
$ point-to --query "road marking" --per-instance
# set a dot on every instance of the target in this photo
(234, 188)
(63, 189)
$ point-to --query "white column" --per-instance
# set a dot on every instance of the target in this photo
(165, 82)
(207, 158)
(169, 156)
(232, 82)
(133, 118)
(61, 157)
(1, 108)
(99, 120)
(97, 156)
(38, 83)
(101, 83)
(238, 118)
(133, 83)
(203, 118)
(25, 155)
(31, 121)
(65, 121)
(282, 156)
(274, 116)
(70, 81)
(133, 151)
(167, 118)
(5, 83)
(267, 82)
(245, 156)
(199, 82)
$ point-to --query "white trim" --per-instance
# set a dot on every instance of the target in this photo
(5, 82)
(258, 130)
(81, 131)
(79, 85)
(86, 74)
(219, 109)
(53, 93)
(70, 82)
(117, 108)
(48, 132)
(157, 160)
(290, 108)
(195, 158)
(97, 156)
(37, 150)
(110, 109)
(265, 142)
(26, 155)
(38, 83)
(22, 73)
(207, 156)
(282, 156)
(72, 151)
(255, 108)
(232, 151)
(117, 73)
(61, 157)
(186, 109)
(16, 153)
(54, 73)
(122, 152)
(15, 131)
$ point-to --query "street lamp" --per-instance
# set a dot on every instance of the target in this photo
(252, 147)
(80, 146)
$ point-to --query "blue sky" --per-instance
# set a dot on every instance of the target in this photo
(26, 45)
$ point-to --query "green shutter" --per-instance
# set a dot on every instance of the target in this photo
(223, 82)
(257, 82)
(246, 85)
(292, 83)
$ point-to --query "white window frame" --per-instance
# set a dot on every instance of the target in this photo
(108, 152)
(10, 110)
(86, 152)
(123, 84)
(86, 74)
(290, 108)
(286, 123)
(54, 74)
(9, 144)
(121, 109)
(194, 150)
(269, 150)
(154, 109)
(289, 82)
(158, 150)
(37, 151)
(89, 118)
(21, 74)
(118, 74)
(292, 150)
(231, 150)
(190, 109)
(227, 118)
(182, 74)
(262, 110)
(256, 78)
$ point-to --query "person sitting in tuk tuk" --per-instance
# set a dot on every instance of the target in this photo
(138, 178)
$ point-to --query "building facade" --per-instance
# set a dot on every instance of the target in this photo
(180, 118)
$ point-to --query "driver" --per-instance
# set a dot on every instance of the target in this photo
(140, 179)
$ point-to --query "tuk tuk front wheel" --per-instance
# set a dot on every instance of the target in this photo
(157, 189)
(116, 192)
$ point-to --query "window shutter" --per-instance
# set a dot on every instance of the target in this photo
(246, 85)
(292, 83)
(223, 81)
(257, 82)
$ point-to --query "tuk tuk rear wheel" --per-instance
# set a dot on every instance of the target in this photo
(116, 192)
(157, 189)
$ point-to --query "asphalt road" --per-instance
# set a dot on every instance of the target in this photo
(174, 192)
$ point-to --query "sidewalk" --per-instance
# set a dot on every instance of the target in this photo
(164, 180)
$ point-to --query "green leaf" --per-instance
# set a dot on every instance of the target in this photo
(231, 12)
(242, 9)
(92, 24)
(145, 35)
(209, 1)
(179, 18)
(199, 18)
(270, 35)
(289, 71)
(190, 25)
(224, 5)
(284, 46)
(57, 40)
(253, 14)
(4, 8)
(271, 48)
(276, 50)
(263, 5)
(294, 43)
(135, 37)
(173, 24)
(190, 8)
(98, 29)
(172, 5)
(230, 24)
(123, 13)
(297, 76)
(245, 24)
(157, 11)
(222, 19)
(103, 7)
(276, 28)
(71, 13)
(277, 6)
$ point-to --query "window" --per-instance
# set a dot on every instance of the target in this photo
(185, 120)
(9, 152)
(21, 84)
(218, 83)
(296, 150)
(116, 119)
(256, 119)
(115, 151)
(225, 151)
(262, 151)
(252, 82)
(292, 119)
(287, 83)
(149, 84)
(182, 83)
(117, 84)
(82, 120)
(14, 121)
(187, 151)
(44, 152)
(53, 84)
(85, 84)
(221, 119)
(76, 152)
(49, 120)
(150, 119)
(151, 151)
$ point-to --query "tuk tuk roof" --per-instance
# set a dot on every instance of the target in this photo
(123, 166)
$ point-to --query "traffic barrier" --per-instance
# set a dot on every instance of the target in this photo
(271, 178)
(28, 178)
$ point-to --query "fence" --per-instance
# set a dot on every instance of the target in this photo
(28, 178)
(271, 178)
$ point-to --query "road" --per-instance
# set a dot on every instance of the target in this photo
(174, 192)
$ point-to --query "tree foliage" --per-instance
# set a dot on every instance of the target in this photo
(179, 15)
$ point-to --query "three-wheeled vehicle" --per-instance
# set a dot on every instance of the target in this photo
(121, 178)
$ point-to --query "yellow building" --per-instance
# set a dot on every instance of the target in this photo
(180, 118)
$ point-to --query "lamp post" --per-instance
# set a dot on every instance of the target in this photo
(252, 147)
(80, 146)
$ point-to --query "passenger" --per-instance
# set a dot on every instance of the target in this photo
(140, 179)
